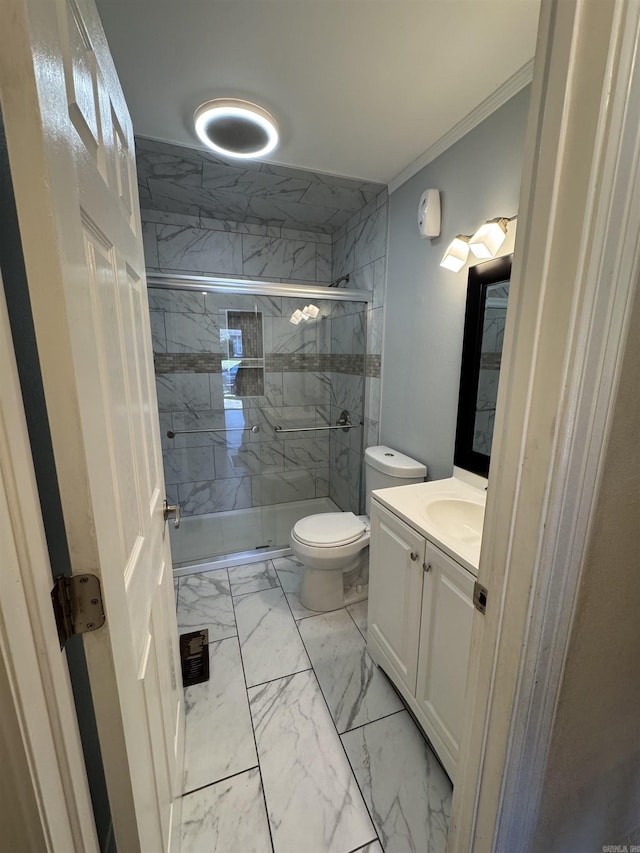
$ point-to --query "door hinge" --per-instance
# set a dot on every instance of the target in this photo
(480, 597)
(77, 605)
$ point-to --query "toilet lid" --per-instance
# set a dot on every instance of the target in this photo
(330, 528)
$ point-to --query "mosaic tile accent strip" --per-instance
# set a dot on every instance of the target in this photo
(490, 360)
(278, 362)
(373, 365)
(181, 362)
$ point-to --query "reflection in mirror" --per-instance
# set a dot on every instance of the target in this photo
(487, 295)
(495, 314)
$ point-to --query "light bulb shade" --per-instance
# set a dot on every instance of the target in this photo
(310, 312)
(487, 240)
(296, 317)
(457, 253)
(236, 128)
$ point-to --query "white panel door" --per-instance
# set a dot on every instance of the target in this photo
(445, 644)
(71, 151)
(44, 794)
(395, 592)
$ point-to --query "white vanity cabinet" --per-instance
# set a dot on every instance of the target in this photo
(395, 573)
(419, 628)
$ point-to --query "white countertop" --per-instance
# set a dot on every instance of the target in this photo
(409, 502)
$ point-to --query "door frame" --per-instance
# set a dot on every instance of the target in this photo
(576, 266)
(547, 454)
(45, 802)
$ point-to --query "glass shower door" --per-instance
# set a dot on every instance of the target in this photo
(245, 398)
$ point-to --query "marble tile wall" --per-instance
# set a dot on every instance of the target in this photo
(188, 244)
(213, 472)
(195, 183)
(360, 249)
(202, 215)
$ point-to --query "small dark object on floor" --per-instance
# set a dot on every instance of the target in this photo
(194, 657)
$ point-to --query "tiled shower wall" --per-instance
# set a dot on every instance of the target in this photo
(178, 242)
(308, 378)
(202, 216)
(360, 249)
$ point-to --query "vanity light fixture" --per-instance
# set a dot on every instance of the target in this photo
(457, 253)
(487, 240)
(236, 128)
(484, 244)
(296, 317)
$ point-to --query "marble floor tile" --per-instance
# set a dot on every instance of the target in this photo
(357, 692)
(374, 847)
(289, 571)
(270, 643)
(252, 577)
(204, 601)
(229, 817)
(297, 607)
(358, 613)
(219, 737)
(408, 793)
(314, 804)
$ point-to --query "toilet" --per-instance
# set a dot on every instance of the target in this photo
(334, 547)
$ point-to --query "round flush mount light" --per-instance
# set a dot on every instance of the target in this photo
(236, 128)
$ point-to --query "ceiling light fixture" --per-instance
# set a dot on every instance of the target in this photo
(236, 128)
(457, 253)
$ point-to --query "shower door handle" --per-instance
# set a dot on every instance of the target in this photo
(171, 509)
(172, 433)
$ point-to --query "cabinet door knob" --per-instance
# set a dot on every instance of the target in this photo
(426, 567)
(414, 556)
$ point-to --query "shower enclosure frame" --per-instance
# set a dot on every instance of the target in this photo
(257, 287)
(254, 287)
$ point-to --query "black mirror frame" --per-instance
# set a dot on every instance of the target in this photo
(480, 277)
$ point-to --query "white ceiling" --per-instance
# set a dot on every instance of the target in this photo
(359, 87)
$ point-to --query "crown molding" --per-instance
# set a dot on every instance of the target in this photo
(494, 101)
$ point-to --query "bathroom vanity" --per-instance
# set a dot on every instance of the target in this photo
(425, 546)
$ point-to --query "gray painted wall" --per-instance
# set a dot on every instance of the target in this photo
(479, 179)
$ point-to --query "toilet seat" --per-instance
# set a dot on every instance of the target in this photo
(329, 529)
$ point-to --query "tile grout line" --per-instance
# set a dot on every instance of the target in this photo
(279, 677)
(215, 782)
(355, 778)
(355, 623)
(371, 722)
(253, 591)
(253, 732)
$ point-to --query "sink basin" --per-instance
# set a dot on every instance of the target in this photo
(456, 518)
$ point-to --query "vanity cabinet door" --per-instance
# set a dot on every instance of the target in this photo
(395, 593)
(445, 642)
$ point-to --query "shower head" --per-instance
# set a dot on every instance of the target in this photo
(337, 282)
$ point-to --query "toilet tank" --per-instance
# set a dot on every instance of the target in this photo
(385, 467)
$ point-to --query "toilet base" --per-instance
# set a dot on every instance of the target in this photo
(356, 593)
(324, 590)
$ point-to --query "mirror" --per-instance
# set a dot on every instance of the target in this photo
(487, 295)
